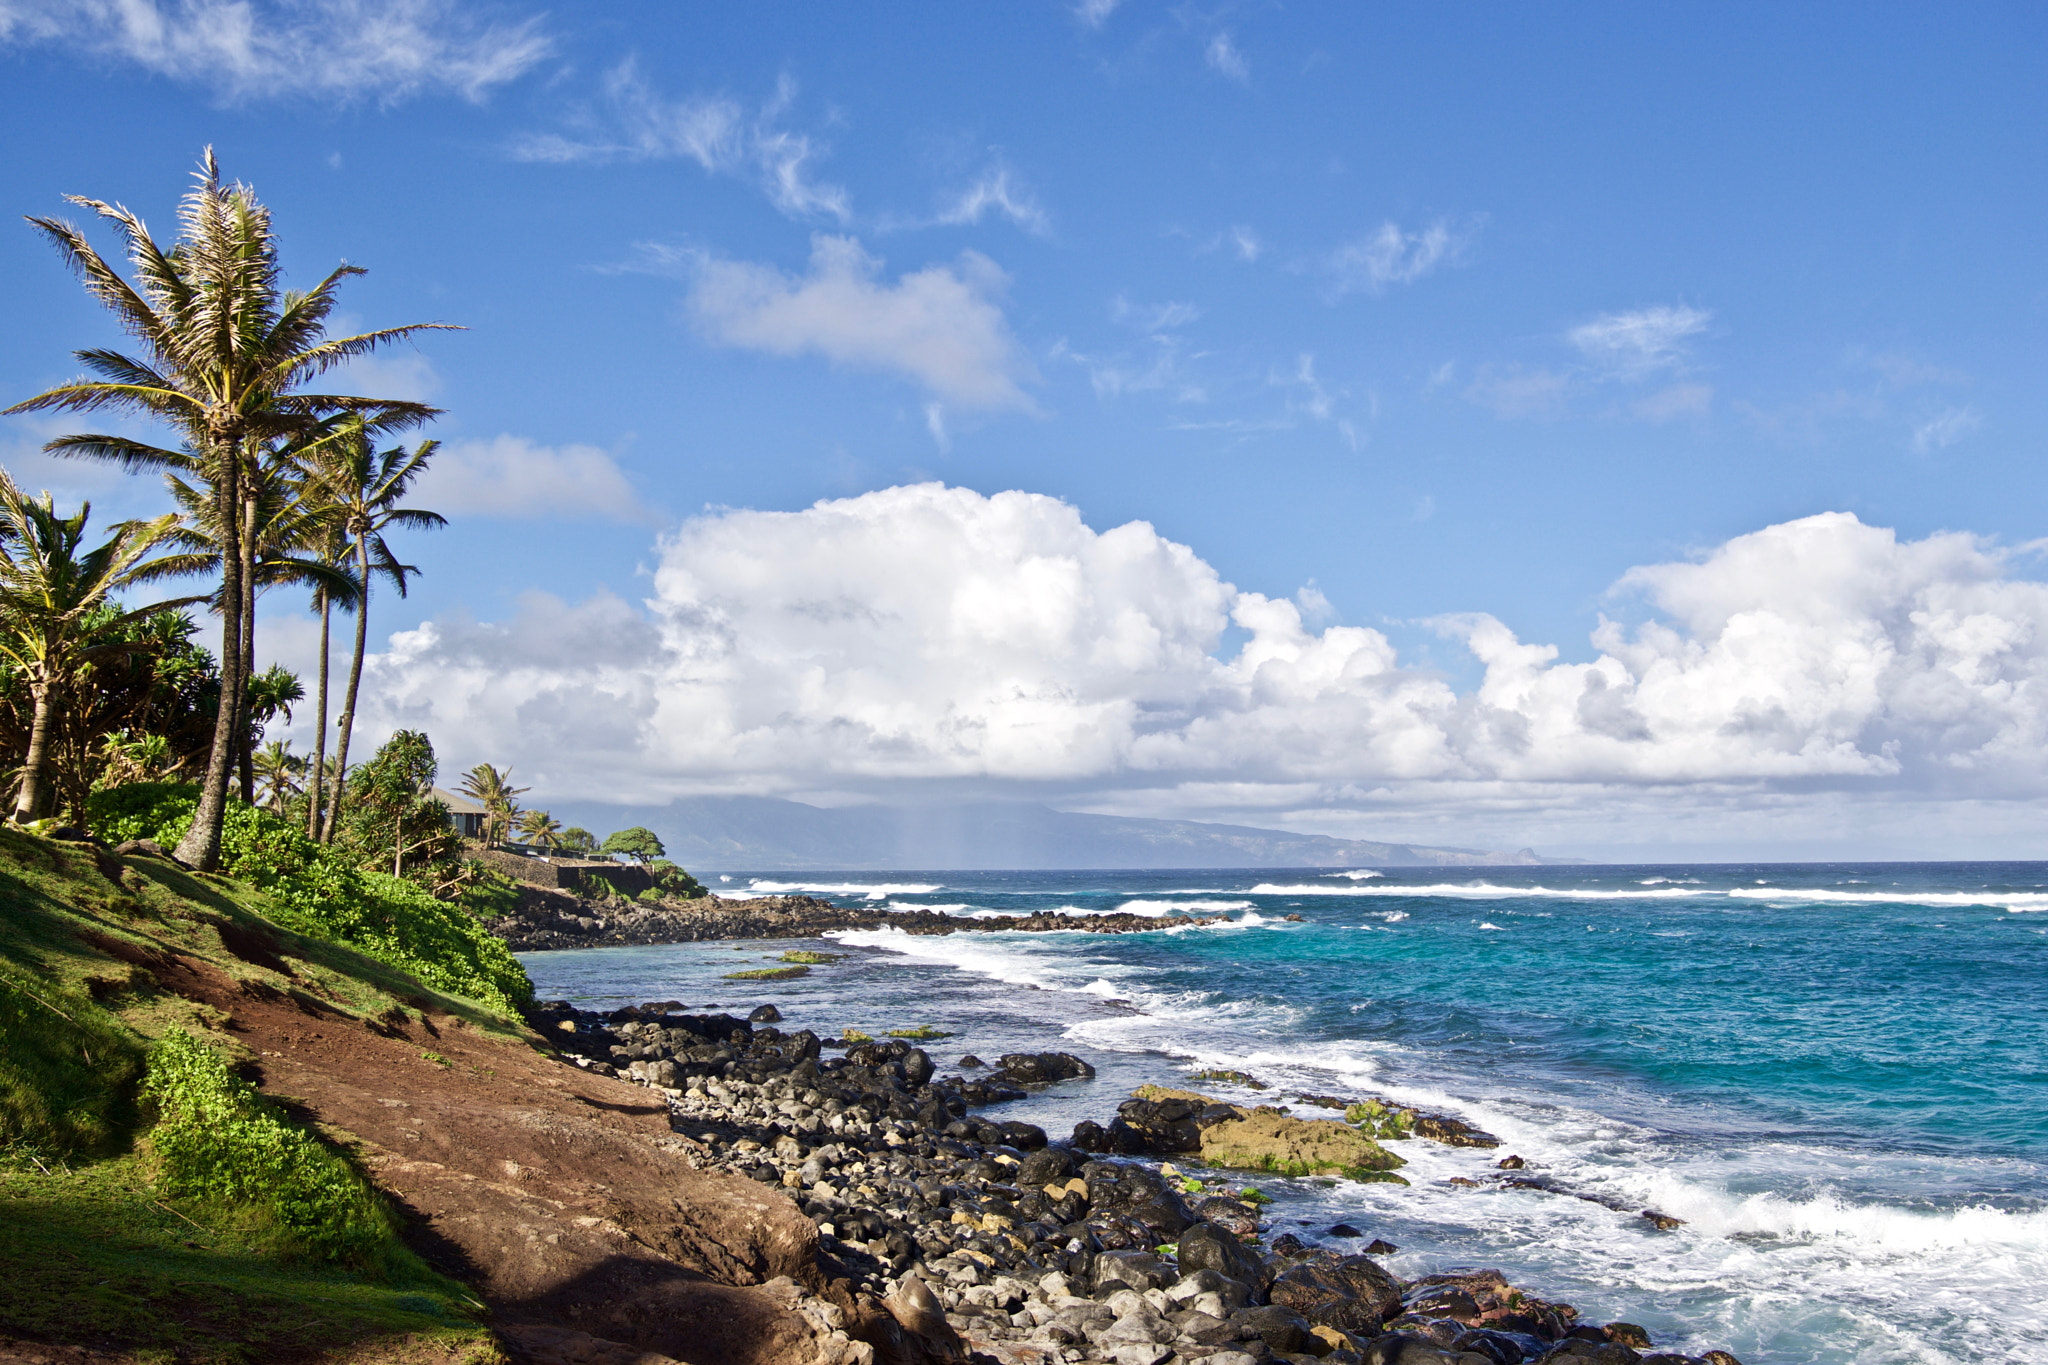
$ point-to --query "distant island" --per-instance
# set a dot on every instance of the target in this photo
(753, 833)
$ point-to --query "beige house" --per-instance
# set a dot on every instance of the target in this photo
(465, 815)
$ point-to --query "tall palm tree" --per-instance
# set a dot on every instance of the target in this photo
(493, 790)
(49, 588)
(333, 551)
(361, 489)
(224, 355)
(538, 827)
(278, 770)
(282, 533)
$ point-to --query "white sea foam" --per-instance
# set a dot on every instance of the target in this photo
(1489, 924)
(1483, 891)
(1393, 916)
(874, 891)
(1360, 875)
(1156, 908)
(2023, 902)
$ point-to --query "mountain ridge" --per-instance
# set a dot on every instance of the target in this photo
(760, 833)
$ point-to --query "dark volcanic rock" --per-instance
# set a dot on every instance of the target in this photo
(1206, 1246)
(1117, 1187)
(1041, 1068)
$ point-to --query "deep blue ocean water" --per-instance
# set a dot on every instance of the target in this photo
(1837, 1075)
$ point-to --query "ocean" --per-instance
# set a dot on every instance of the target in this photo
(1836, 1075)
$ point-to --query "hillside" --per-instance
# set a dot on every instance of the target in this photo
(380, 1172)
(756, 833)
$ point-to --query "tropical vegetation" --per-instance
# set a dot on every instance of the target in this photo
(223, 357)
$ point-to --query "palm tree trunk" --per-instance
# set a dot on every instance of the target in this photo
(320, 732)
(200, 847)
(31, 795)
(247, 757)
(355, 679)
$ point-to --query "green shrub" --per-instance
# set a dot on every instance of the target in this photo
(314, 890)
(139, 809)
(218, 1139)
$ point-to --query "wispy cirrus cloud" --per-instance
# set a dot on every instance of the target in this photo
(245, 50)
(1095, 13)
(1393, 255)
(1632, 344)
(998, 190)
(1944, 429)
(1224, 58)
(942, 327)
(633, 122)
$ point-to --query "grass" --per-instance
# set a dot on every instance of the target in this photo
(152, 1202)
(96, 1254)
(767, 974)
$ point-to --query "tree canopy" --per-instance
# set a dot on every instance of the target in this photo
(638, 843)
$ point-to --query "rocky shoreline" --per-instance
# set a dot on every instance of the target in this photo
(546, 920)
(963, 1238)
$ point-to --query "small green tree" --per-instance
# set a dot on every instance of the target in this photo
(579, 840)
(639, 843)
(391, 813)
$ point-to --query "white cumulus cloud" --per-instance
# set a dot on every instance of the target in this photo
(509, 476)
(344, 50)
(931, 634)
(941, 326)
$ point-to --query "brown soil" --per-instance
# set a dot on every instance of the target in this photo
(561, 1198)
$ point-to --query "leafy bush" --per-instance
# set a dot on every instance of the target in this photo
(314, 890)
(671, 881)
(139, 809)
(217, 1138)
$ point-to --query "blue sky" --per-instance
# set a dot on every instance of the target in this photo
(1407, 314)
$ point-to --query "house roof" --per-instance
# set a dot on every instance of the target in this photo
(456, 804)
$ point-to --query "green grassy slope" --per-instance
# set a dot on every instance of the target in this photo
(152, 1201)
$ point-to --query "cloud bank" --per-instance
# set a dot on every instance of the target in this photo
(344, 50)
(509, 476)
(930, 634)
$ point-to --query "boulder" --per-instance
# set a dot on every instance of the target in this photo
(1281, 1328)
(1047, 1166)
(1116, 1187)
(766, 1014)
(1163, 1126)
(1137, 1271)
(1264, 1139)
(1407, 1348)
(1232, 1215)
(1025, 1137)
(1041, 1068)
(1205, 1246)
(1193, 1284)
(1351, 1293)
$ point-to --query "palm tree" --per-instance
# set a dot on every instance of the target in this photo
(493, 790)
(224, 354)
(538, 827)
(283, 532)
(49, 590)
(361, 490)
(333, 551)
(278, 770)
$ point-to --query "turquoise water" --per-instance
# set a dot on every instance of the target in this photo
(1837, 1075)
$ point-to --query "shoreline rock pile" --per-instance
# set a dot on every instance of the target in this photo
(978, 1240)
(549, 920)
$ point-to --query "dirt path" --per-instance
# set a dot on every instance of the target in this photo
(562, 1198)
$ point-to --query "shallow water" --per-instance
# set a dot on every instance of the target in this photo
(1835, 1074)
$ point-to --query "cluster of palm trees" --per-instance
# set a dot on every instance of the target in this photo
(277, 485)
(492, 788)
